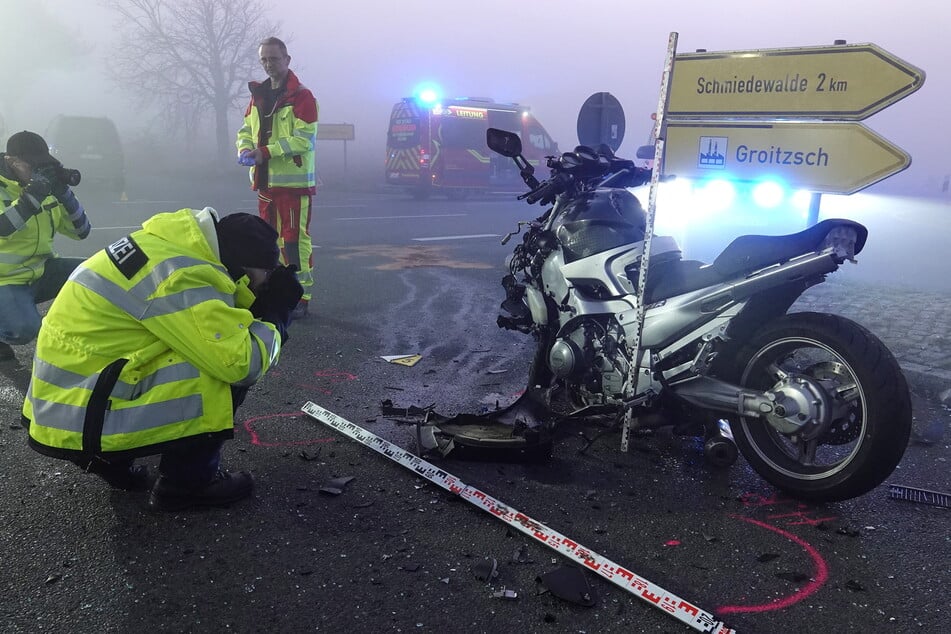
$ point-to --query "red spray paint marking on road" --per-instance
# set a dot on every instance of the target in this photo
(819, 577)
(256, 439)
(334, 375)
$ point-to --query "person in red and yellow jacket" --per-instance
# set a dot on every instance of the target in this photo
(150, 347)
(278, 141)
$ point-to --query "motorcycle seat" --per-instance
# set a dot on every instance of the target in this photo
(668, 278)
(750, 253)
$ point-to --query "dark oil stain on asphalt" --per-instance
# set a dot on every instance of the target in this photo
(409, 257)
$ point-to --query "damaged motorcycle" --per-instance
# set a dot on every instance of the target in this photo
(816, 404)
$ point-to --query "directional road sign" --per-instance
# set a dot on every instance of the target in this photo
(849, 82)
(335, 132)
(835, 158)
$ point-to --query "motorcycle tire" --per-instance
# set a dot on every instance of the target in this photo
(872, 421)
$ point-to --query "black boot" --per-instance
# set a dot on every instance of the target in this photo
(119, 474)
(6, 352)
(224, 488)
(135, 478)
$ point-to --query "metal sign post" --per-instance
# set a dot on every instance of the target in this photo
(337, 132)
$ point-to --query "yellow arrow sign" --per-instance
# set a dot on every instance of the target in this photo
(848, 82)
(836, 158)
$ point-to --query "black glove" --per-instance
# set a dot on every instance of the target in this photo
(39, 187)
(277, 298)
(58, 186)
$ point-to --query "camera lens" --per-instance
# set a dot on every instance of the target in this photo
(72, 177)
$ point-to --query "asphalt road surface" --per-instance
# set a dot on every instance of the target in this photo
(394, 553)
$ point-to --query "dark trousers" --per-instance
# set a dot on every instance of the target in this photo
(193, 464)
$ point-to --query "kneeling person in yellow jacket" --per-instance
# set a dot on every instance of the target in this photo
(151, 346)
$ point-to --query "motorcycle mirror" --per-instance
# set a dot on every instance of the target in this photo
(645, 152)
(505, 143)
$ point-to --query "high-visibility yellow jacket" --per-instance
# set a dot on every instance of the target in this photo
(26, 241)
(290, 148)
(142, 345)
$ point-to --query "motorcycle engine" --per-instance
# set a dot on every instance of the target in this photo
(592, 357)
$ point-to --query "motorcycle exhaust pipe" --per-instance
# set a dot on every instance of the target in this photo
(720, 449)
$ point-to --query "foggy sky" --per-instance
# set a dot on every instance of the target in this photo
(361, 56)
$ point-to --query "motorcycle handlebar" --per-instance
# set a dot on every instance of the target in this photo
(547, 191)
(629, 177)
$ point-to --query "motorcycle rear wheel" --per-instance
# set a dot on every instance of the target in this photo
(866, 390)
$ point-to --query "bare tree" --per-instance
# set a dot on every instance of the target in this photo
(189, 57)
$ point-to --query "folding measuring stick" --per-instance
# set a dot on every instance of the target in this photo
(618, 575)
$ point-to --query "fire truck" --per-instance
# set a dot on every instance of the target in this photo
(438, 146)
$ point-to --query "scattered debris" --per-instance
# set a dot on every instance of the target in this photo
(486, 570)
(335, 486)
(521, 432)
(921, 496)
(855, 586)
(520, 556)
(305, 455)
(511, 595)
(549, 617)
(387, 409)
(496, 371)
(410, 567)
(569, 583)
(767, 557)
(363, 505)
(607, 569)
(402, 359)
(849, 532)
(795, 577)
(445, 580)
(52, 579)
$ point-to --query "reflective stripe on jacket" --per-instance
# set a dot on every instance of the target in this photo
(293, 136)
(142, 345)
(27, 242)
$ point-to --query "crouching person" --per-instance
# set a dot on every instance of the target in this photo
(150, 347)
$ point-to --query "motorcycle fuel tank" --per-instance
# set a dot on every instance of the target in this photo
(599, 220)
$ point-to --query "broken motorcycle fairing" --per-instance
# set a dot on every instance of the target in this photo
(521, 432)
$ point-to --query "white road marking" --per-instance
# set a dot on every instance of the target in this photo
(469, 237)
(147, 202)
(401, 217)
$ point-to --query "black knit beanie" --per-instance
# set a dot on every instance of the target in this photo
(245, 240)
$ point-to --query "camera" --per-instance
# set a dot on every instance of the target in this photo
(69, 176)
(56, 172)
